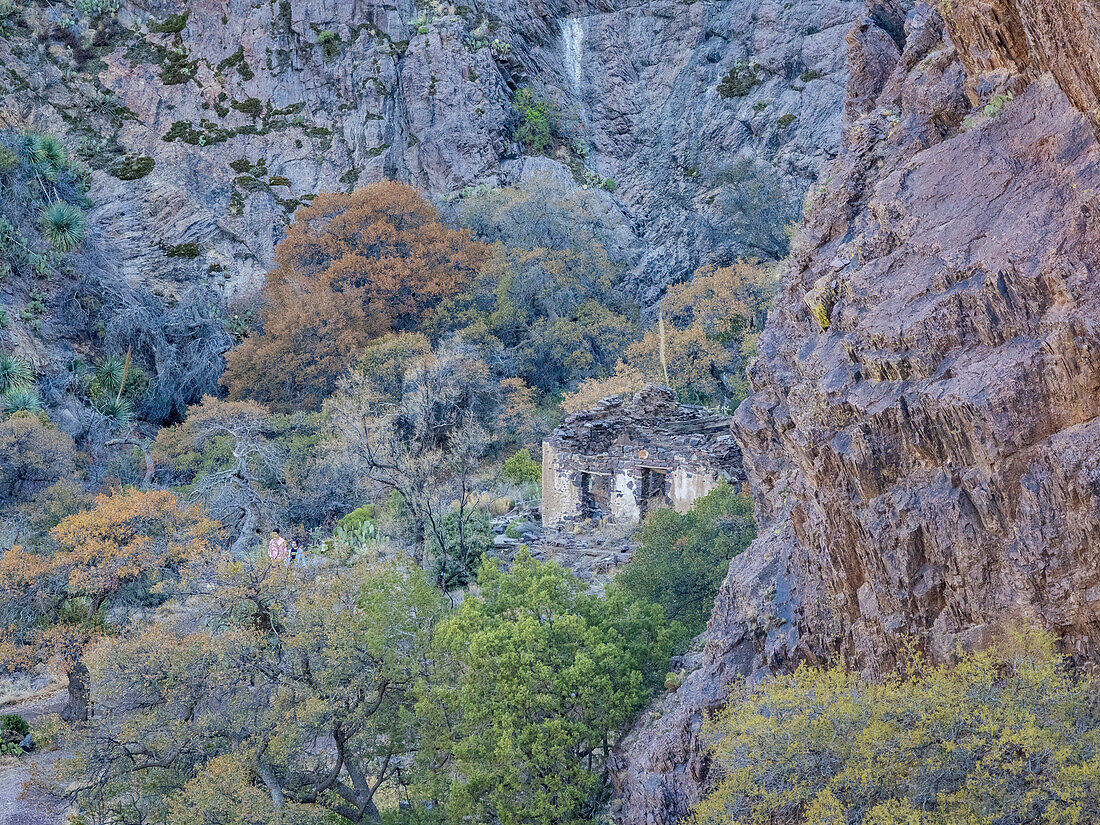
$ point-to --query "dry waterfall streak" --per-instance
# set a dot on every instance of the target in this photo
(572, 41)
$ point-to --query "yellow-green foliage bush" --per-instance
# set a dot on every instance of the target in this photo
(520, 468)
(1005, 736)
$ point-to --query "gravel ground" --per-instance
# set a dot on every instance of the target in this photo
(20, 804)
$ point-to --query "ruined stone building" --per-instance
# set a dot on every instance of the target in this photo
(619, 460)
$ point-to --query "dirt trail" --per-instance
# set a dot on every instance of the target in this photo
(20, 804)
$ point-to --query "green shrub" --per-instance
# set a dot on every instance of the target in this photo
(683, 558)
(177, 68)
(465, 535)
(14, 722)
(786, 121)
(234, 59)
(740, 80)
(132, 167)
(330, 44)
(183, 250)
(63, 225)
(8, 159)
(360, 515)
(537, 120)
(241, 165)
(546, 678)
(10, 749)
(1004, 736)
(15, 373)
(171, 25)
(521, 468)
(809, 75)
(253, 106)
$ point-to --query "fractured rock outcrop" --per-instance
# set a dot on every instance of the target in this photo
(240, 111)
(923, 436)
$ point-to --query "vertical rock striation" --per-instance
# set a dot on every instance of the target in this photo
(923, 439)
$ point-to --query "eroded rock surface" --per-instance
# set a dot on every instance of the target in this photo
(923, 438)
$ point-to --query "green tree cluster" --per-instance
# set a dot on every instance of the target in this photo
(520, 468)
(683, 558)
(548, 296)
(537, 120)
(539, 680)
(304, 695)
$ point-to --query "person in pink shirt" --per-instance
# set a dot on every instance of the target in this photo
(276, 548)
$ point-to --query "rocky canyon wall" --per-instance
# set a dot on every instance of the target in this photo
(923, 438)
(208, 122)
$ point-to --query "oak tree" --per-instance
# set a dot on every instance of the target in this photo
(33, 455)
(54, 602)
(351, 268)
(295, 702)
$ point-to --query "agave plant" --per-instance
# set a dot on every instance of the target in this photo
(63, 225)
(23, 399)
(15, 373)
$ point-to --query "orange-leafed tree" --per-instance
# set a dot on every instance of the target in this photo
(52, 604)
(352, 267)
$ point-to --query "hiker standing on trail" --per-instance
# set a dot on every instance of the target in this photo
(276, 548)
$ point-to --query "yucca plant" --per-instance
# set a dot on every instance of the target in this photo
(15, 373)
(46, 155)
(63, 226)
(24, 399)
(110, 373)
(118, 410)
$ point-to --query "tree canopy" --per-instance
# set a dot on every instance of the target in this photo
(683, 559)
(351, 268)
(53, 601)
(535, 681)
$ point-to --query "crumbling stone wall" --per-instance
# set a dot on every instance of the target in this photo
(623, 458)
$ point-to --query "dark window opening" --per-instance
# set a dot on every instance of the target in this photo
(653, 491)
(595, 496)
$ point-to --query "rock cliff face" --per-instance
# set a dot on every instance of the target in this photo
(923, 438)
(209, 122)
